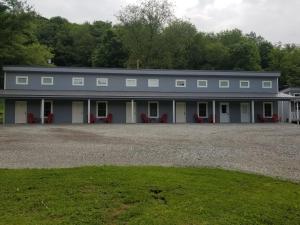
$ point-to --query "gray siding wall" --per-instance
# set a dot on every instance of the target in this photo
(117, 83)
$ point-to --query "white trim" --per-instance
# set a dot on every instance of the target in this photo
(155, 84)
(248, 84)
(252, 111)
(157, 109)
(4, 81)
(227, 86)
(89, 111)
(214, 111)
(267, 81)
(184, 81)
(74, 78)
(264, 103)
(106, 109)
(131, 85)
(202, 86)
(102, 79)
(43, 82)
(174, 111)
(18, 83)
(206, 106)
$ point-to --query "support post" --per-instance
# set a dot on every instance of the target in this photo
(214, 111)
(132, 102)
(174, 120)
(252, 112)
(89, 111)
(42, 110)
(297, 112)
(290, 111)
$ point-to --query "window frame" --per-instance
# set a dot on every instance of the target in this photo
(206, 103)
(74, 78)
(157, 108)
(248, 84)
(46, 84)
(103, 79)
(199, 86)
(153, 79)
(227, 86)
(51, 110)
(264, 111)
(131, 79)
(106, 109)
(18, 83)
(177, 80)
(263, 84)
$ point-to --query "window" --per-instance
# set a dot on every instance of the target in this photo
(268, 109)
(101, 108)
(180, 83)
(48, 108)
(296, 94)
(47, 80)
(102, 82)
(223, 83)
(22, 80)
(244, 84)
(202, 109)
(130, 82)
(267, 84)
(153, 110)
(153, 83)
(201, 83)
(77, 81)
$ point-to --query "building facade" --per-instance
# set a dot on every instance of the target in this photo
(290, 111)
(88, 95)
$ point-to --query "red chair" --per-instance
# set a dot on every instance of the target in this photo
(145, 118)
(261, 119)
(276, 118)
(198, 119)
(92, 118)
(211, 119)
(164, 118)
(31, 118)
(49, 118)
(108, 119)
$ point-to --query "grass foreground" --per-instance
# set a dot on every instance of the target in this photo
(145, 195)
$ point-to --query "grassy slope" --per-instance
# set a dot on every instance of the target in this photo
(145, 195)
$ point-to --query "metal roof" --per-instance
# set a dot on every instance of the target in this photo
(140, 95)
(120, 71)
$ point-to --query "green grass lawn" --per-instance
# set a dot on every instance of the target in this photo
(145, 195)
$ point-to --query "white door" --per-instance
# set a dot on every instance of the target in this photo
(245, 112)
(180, 112)
(77, 112)
(128, 112)
(224, 112)
(20, 112)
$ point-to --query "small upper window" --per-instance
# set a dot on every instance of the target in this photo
(130, 82)
(153, 83)
(102, 82)
(23, 80)
(267, 84)
(47, 80)
(201, 83)
(244, 84)
(180, 83)
(77, 81)
(223, 83)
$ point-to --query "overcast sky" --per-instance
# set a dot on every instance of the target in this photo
(276, 20)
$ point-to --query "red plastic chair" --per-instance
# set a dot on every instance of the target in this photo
(49, 118)
(261, 119)
(31, 118)
(276, 118)
(145, 119)
(92, 118)
(108, 119)
(164, 118)
(197, 118)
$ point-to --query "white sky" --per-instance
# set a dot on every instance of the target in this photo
(276, 20)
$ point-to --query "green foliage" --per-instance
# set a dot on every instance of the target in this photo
(145, 195)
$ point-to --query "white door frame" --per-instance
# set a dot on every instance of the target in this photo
(228, 112)
(178, 119)
(77, 120)
(17, 114)
(248, 115)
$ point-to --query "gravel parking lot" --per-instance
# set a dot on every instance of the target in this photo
(270, 149)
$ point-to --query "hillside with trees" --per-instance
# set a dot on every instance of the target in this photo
(147, 35)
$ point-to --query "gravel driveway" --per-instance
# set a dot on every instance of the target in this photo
(270, 149)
